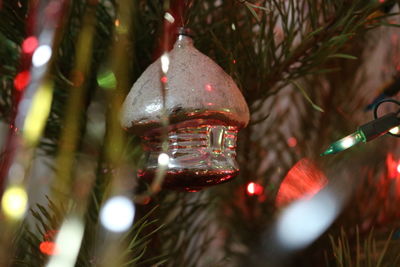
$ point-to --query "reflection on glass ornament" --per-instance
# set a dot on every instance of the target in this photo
(205, 109)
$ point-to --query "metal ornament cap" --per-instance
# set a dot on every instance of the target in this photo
(197, 88)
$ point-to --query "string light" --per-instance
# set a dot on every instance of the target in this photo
(365, 133)
(345, 143)
(117, 214)
(14, 202)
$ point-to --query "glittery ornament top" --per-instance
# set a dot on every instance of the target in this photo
(197, 88)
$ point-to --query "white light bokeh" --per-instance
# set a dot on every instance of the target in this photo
(163, 159)
(41, 55)
(165, 62)
(169, 17)
(117, 214)
(14, 202)
(68, 243)
(304, 221)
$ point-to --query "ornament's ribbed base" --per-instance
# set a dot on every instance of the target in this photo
(190, 180)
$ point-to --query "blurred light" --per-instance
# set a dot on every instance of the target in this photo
(117, 214)
(304, 221)
(164, 79)
(47, 247)
(394, 130)
(14, 202)
(29, 44)
(392, 166)
(77, 78)
(233, 26)
(16, 173)
(254, 189)
(208, 87)
(234, 61)
(68, 243)
(116, 22)
(38, 113)
(41, 56)
(292, 142)
(163, 159)
(303, 180)
(107, 80)
(22, 80)
(165, 62)
(169, 17)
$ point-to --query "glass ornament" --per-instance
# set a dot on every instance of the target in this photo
(205, 109)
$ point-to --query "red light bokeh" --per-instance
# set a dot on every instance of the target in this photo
(22, 80)
(303, 180)
(30, 44)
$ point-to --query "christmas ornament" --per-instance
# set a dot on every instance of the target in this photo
(205, 110)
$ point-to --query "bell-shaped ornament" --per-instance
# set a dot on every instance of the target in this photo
(205, 109)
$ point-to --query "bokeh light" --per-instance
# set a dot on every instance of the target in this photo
(47, 247)
(169, 17)
(14, 202)
(38, 113)
(117, 214)
(22, 80)
(29, 44)
(392, 166)
(164, 62)
(107, 80)
(305, 220)
(164, 79)
(41, 56)
(163, 159)
(292, 141)
(254, 189)
(68, 243)
(303, 180)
